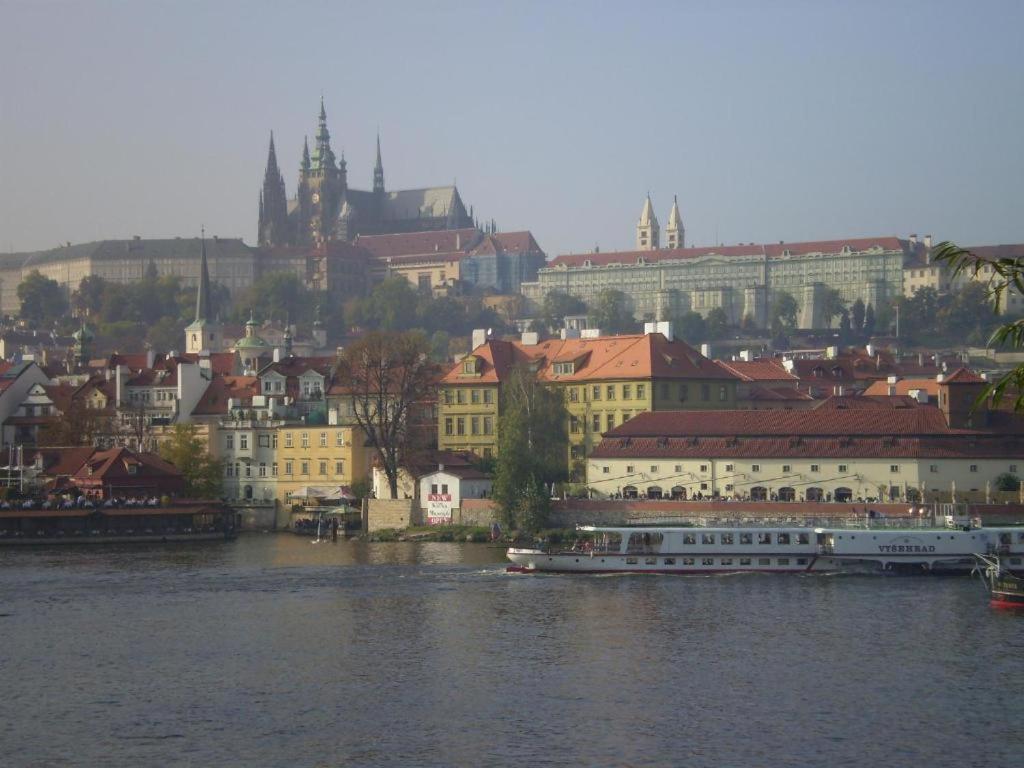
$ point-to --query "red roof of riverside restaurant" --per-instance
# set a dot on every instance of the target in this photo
(634, 356)
(768, 251)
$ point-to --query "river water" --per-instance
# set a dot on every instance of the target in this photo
(273, 651)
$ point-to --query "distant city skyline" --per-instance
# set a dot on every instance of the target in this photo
(790, 121)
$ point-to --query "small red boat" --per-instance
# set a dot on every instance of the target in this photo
(1005, 590)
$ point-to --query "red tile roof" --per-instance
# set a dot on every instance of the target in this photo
(420, 243)
(215, 399)
(635, 356)
(758, 370)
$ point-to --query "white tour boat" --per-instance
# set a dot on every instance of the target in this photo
(785, 549)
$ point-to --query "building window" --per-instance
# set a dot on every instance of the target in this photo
(933, 468)
(596, 422)
(894, 468)
(228, 470)
(488, 425)
(488, 397)
(596, 392)
(323, 467)
(460, 426)
(243, 442)
(664, 390)
(604, 470)
(460, 396)
(273, 440)
(474, 425)
(339, 467)
(974, 467)
(448, 392)
(273, 469)
(287, 439)
(728, 467)
(684, 392)
(814, 468)
(248, 470)
(305, 467)
(703, 467)
(339, 439)
(629, 468)
(263, 440)
(787, 467)
(843, 468)
(305, 439)
(574, 425)
(627, 392)
(449, 425)
(755, 467)
(263, 469)
(288, 466)
(723, 393)
(1013, 468)
(323, 439)
(641, 391)
(609, 392)
(654, 467)
(705, 392)
(610, 420)
(229, 442)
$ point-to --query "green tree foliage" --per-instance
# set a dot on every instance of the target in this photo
(532, 445)
(80, 425)
(869, 321)
(556, 306)
(43, 302)
(1007, 482)
(277, 295)
(610, 313)
(857, 312)
(188, 452)
(833, 305)
(1006, 275)
(691, 327)
(783, 313)
(716, 324)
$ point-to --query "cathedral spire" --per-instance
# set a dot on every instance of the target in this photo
(378, 170)
(647, 229)
(675, 232)
(323, 156)
(304, 165)
(203, 289)
(273, 220)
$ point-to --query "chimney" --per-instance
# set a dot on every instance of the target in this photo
(458, 241)
(705, 350)
(745, 355)
(530, 339)
(150, 358)
(890, 389)
(913, 240)
(870, 349)
(479, 337)
(277, 354)
(928, 242)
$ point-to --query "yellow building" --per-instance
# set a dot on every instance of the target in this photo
(605, 380)
(320, 455)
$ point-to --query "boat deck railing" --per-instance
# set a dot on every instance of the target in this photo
(860, 522)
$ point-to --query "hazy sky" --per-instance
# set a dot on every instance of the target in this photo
(770, 120)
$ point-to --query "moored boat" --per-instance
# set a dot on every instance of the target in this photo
(1005, 590)
(779, 549)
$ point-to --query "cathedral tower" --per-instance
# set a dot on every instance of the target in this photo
(675, 232)
(273, 226)
(378, 172)
(647, 230)
(204, 333)
(321, 187)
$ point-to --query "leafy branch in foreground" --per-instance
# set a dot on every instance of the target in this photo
(1007, 274)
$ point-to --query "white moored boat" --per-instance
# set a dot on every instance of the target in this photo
(662, 549)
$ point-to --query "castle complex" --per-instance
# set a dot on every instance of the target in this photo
(325, 208)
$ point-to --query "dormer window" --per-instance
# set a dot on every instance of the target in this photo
(564, 369)
(471, 366)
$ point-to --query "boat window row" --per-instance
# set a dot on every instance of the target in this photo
(747, 537)
(742, 562)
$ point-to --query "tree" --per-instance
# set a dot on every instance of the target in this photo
(88, 299)
(79, 425)
(609, 312)
(857, 312)
(845, 330)
(783, 313)
(691, 327)
(390, 376)
(532, 445)
(556, 306)
(1006, 276)
(189, 453)
(869, 321)
(716, 323)
(277, 295)
(42, 300)
(1007, 482)
(833, 306)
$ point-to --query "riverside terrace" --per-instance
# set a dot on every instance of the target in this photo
(46, 521)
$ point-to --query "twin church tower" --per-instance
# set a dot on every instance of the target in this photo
(648, 233)
(326, 209)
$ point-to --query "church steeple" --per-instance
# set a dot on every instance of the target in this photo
(647, 230)
(323, 156)
(304, 165)
(204, 332)
(675, 232)
(273, 202)
(378, 171)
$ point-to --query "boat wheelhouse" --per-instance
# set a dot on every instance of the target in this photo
(785, 549)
